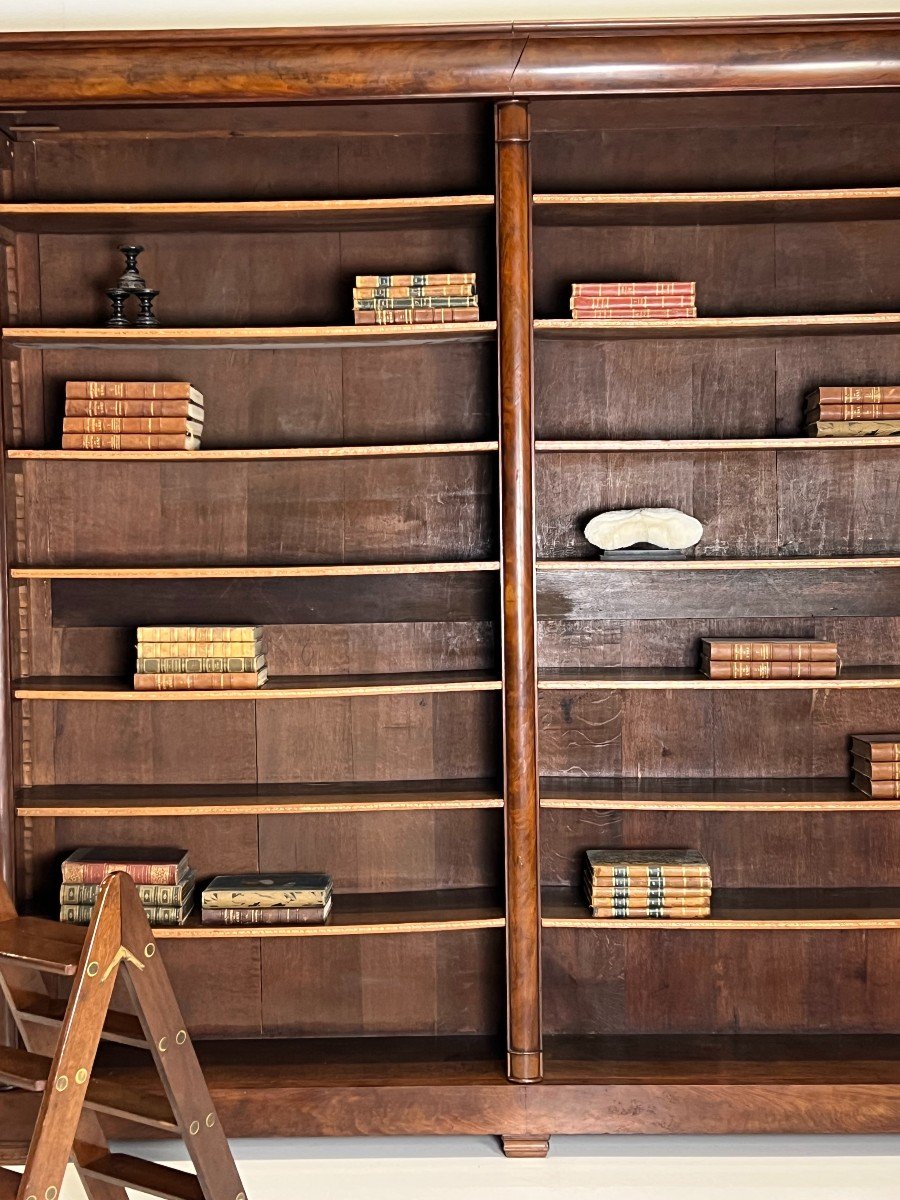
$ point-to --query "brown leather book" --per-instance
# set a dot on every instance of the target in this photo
(768, 650)
(876, 770)
(133, 425)
(641, 889)
(879, 789)
(105, 389)
(134, 408)
(417, 316)
(869, 394)
(646, 864)
(679, 289)
(145, 864)
(428, 289)
(130, 441)
(877, 747)
(852, 412)
(768, 670)
(426, 280)
(632, 912)
(661, 314)
(648, 902)
(201, 681)
(645, 895)
(316, 915)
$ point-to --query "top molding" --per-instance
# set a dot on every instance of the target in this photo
(406, 62)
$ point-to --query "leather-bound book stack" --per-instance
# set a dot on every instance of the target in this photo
(648, 883)
(768, 658)
(632, 301)
(199, 658)
(853, 411)
(298, 898)
(435, 299)
(876, 764)
(162, 876)
(103, 415)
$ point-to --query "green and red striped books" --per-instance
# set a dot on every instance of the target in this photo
(432, 299)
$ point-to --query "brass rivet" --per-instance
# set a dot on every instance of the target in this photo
(51, 1193)
(195, 1126)
(210, 1120)
(80, 1075)
(149, 950)
(163, 1044)
(62, 1083)
(93, 968)
(181, 1037)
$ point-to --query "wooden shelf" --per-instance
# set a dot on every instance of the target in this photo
(686, 327)
(716, 208)
(412, 450)
(708, 795)
(379, 913)
(682, 679)
(286, 687)
(197, 800)
(261, 216)
(748, 908)
(272, 337)
(720, 564)
(324, 571)
(677, 445)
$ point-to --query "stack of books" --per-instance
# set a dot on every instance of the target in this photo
(853, 411)
(415, 299)
(300, 898)
(647, 883)
(162, 875)
(132, 416)
(632, 301)
(197, 658)
(876, 764)
(768, 658)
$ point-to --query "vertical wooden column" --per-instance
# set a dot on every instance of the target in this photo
(515, 352)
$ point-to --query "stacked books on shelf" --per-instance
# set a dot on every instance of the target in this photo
(632, 301)
(415, 299)
(647, 883)
(876, 764)
(199, 658)
(106, 415)
(298, 898)
(853, 411)
(768, 658)
(162, 875)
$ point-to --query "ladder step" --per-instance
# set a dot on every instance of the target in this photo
(144, 1176)
(9, 1184)
(43, 945)
(47, 1010)
(24, 1070)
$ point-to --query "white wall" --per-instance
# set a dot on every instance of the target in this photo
(182, 14)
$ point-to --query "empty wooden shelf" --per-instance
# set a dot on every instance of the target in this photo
(830, 324)
(679, 679)
(676, 445)
(709, 795)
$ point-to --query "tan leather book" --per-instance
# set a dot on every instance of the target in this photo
(868, 394)
(76, 407)
(199, 633)
(646, 864)
(105, 389)
(417, 316)
(880, 789)
(878, 747)
(876, 770)
(133, 425)
(427, 280)
(630, 912)
(768, 670)
(129, 441)
(201, 681)
(428, 289)
(768, 649)
(886, 428)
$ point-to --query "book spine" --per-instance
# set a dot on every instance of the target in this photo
(603, 290)
(262, 900)
(157, 915)
(629, 900)
(134, 408)
(399, 304)
(129, 441)
(667, 314)
(389, 293)
(768, 670)
(200, 649)
(880, 789)
(607, 913)
(877, 751)
(198, 633)
(417, 316)
(854, 412)
(628, 303)
(199, 681)
(857, 395)
(770, 652)
(196, 666)
(429, 280)
(634, 871)
(105, 389)
(876, 770)
(882, 428)
(264, 916)
(156, 873)
(150, 894)
(171, 425)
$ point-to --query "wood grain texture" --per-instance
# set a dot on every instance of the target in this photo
(674, 679)
(688, 327)
(237, 455)
(323, 335)
(708, 795)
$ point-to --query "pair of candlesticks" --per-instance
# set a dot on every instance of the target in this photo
(131, 283)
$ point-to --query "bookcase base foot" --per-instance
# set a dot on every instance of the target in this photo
(516, 1146)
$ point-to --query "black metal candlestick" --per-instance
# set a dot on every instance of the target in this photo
(131, 279)
(117, 297)
(146, 297)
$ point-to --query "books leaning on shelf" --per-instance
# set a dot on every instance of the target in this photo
(415, 299)
(876, 764)
(657, 884)
(109, 415)
(853, 411)
(632, 301)
(768, 658)
(200, 658)
(162, 875)
(296, 898)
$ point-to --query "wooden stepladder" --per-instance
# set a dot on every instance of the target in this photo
(61, 1040)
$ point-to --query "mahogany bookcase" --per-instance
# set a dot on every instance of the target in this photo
(462, 700)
